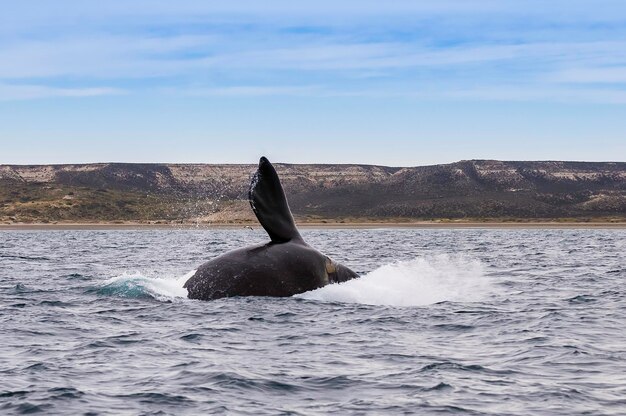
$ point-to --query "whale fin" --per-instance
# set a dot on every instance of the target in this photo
(269, 203)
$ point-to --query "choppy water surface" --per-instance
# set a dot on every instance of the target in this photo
(443, 321)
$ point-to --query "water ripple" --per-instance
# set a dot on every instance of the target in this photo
(447, 321)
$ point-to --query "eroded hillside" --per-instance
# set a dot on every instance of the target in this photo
(171, 193)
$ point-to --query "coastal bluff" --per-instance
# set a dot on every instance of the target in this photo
(217, 193)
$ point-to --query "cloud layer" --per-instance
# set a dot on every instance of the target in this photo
(402, 82)
(494, 50)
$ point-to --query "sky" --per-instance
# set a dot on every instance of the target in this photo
(398, 83)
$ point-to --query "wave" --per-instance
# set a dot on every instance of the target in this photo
(417, 282)
(136, 285)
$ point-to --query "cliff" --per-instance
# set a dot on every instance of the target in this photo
(474, 189)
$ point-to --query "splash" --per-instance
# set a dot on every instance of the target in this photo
(421, 281)
(136, 285)
(417, 282)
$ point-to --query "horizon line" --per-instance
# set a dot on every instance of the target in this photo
(308, 164)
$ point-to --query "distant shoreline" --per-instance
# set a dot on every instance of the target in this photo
(355, 225)
(468, 191)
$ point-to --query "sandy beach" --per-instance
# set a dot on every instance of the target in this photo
(310, 225)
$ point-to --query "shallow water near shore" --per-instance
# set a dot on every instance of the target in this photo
(442, 321)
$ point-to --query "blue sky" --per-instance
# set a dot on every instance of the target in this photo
(395, 83)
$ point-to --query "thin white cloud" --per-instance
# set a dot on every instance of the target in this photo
(97, 57)
(72, 9)
(253, 91)
(28, 15)
(29, 92)
(607, 75)
(127, 57)
(246, 48)
(402, 55)
(537, 93)
(505, 93)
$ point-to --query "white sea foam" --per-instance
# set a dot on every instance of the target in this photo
(137, 284)
(421, 281)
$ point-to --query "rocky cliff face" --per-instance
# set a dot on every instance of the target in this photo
(194, 192)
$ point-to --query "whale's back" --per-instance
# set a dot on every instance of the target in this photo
(268, 270)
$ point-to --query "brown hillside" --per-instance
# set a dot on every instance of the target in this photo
(476, 189)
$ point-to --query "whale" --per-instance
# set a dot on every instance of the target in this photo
(284, 266)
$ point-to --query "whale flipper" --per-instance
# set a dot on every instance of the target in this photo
(269, 203)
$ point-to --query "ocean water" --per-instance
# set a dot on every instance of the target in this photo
(442, 321)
